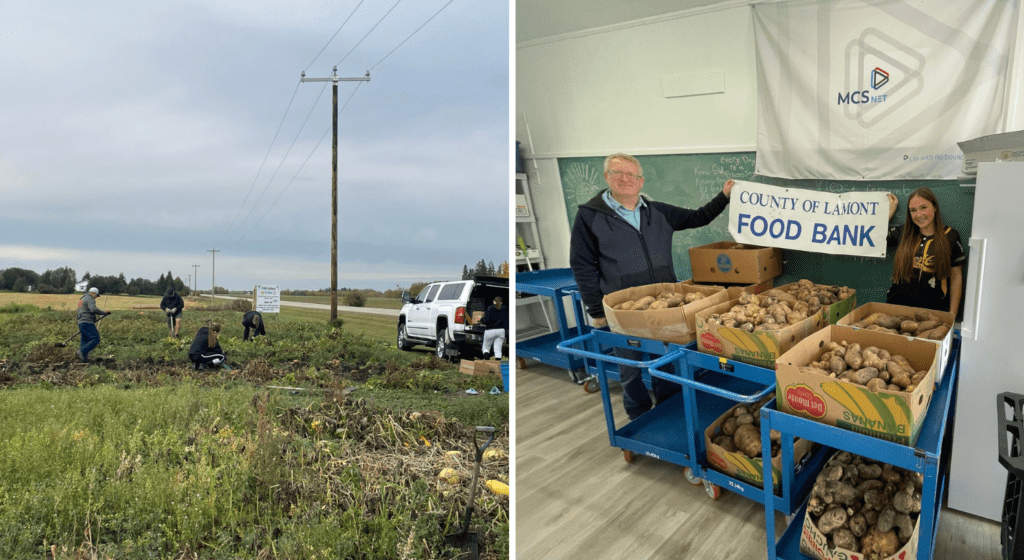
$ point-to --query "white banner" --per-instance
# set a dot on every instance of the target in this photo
(852, 223)
(268, 299)
(856, 90)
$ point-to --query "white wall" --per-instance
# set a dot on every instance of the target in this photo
(599, 92)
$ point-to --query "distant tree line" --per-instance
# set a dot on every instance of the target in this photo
(63, 280)
(485, 269)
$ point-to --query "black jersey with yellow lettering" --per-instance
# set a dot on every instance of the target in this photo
(925, 290)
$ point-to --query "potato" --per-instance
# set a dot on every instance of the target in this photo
(837, 365)
(926, 326)
(643, 303)
(876, 385)
(624, 306)
(935, 334)
(658, 304)
(863, 375)
(908, 326)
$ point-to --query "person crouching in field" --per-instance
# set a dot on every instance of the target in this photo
(205, 350)
(172, 305)
(253, 320)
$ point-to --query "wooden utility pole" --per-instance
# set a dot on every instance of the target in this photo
(213, 274)
(196, 276)
(334, 183)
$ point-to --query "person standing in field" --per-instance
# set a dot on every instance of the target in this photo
(88, 314)
(253, 320)
(173, 306)
(205, 350)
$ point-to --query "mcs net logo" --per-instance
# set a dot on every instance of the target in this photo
(877, 79)
(881, 75)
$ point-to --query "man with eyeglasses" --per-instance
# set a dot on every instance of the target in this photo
(621, 240)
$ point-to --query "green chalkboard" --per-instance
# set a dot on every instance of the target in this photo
(691, 180)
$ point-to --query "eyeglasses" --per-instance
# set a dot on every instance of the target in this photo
(629, 176)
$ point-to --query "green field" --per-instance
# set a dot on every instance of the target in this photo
(139, 456)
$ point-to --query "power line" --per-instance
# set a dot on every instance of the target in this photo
(254, 179)
(413, 33)
(326, 132)
(335, 35)
(368, 32)
(285, 157)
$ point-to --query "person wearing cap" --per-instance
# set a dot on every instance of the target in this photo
(88, 314)
(495, 323)
(253, 320)
(205, 350)
(172, 305)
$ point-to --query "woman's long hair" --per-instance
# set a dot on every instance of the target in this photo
(212, 332)
(903, 266)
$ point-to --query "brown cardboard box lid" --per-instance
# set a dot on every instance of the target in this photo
(482, 367)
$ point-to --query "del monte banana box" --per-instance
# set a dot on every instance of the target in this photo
(890, 415)
(835, 311)
(737, 464)
(759, 348)
(945, 343)
(671, 324)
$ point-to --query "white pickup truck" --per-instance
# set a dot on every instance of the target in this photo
(437, 317)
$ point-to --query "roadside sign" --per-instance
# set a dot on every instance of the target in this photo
(267, 298)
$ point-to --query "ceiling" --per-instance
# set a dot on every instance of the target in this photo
(537, 19)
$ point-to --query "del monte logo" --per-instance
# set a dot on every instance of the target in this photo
(711, 342)
(801, 398)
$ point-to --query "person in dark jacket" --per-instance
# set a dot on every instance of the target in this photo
(205, 350)
(173, 306)
(88, 315)
(495, 324)
(620, 240)
(253, 320)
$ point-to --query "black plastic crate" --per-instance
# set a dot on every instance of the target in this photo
(1011, 425)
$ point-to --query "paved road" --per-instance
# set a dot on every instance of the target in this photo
(341, 308)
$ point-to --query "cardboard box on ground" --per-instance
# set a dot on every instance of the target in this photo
(945, 344)
(479, 367)
(673, 324)
(735, 263)
(890, 415)
(737, 464)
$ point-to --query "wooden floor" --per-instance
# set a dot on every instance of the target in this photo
(578, 499)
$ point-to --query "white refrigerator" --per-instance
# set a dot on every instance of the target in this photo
(992, 346)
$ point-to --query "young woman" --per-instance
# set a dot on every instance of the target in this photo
(928, 267)
(205, 350)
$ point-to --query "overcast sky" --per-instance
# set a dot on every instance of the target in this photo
(137, 136)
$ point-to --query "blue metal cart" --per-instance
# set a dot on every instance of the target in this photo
(555, 283)
(929, 455)
(673, 431)
(723, 383)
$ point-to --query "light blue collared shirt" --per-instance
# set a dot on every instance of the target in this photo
(631, 216)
